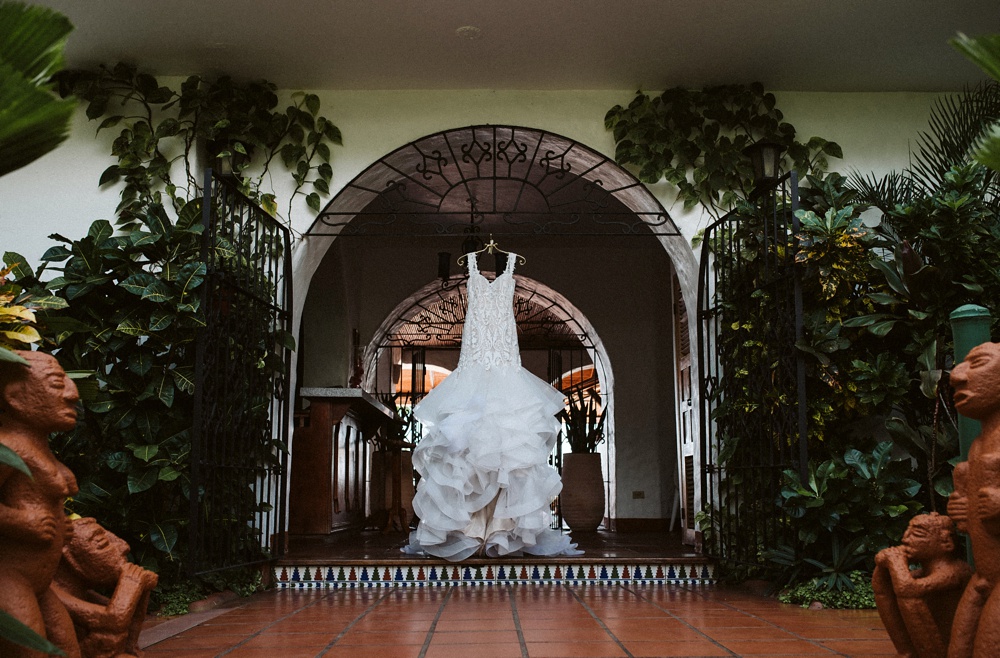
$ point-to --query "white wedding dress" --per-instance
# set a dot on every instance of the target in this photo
(488, 429)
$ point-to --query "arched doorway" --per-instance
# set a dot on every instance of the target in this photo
(418, 343)
(578, 215)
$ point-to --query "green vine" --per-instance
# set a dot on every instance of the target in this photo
(695, 140)
(162, 130)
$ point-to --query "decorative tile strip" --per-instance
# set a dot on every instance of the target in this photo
(437, 575)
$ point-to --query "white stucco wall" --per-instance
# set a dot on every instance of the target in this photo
(59, 193)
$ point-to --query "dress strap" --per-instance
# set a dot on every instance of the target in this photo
(470, 260)
(511, 259)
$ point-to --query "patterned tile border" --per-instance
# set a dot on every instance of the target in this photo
(444, 575)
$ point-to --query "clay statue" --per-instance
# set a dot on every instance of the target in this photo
(975, 504)
(917, 605)
(35, 401)
(95, 559)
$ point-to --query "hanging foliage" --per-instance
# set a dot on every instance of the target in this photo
(238, 125)
(695, 140)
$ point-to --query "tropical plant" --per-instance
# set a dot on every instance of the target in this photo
(33, 121)
(135, 314)
(859, 596)
(230, 123)
(583, 421)
(847, 509)
(696, 140)
(985, 52)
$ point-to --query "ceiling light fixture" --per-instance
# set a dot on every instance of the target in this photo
(470, 32)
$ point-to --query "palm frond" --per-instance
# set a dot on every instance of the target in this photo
(33, 121)
(983, 51)
(884, 193)
(957, 125)
(32, 40)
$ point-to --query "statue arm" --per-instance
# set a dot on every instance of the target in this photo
(897, 565)
(132, 586)
(84, 613)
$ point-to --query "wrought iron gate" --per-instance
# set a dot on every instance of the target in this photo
(240, 426)
(753, 416)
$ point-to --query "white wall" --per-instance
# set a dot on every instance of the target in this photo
(59, 192)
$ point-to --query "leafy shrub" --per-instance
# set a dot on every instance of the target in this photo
(848, 510)
(857, 597)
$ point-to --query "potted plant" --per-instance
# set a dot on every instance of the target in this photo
(582, 499)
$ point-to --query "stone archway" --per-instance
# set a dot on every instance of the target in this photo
(508, 181)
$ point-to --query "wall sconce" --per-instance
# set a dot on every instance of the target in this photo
(765, 156)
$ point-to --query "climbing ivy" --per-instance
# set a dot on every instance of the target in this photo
(695, 140)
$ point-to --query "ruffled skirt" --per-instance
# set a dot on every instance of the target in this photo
(485, 482)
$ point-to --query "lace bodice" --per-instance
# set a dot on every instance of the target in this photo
(489, 337)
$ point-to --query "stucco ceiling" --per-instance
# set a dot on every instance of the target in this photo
(815, 45)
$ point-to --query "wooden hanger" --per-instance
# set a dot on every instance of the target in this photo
(490, 247)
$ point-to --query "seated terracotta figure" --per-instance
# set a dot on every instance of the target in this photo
(975, 504)
(34, 402)
(93, 560)
(917, 605)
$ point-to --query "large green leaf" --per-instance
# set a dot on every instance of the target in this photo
(32, 121)
(14, 631)
(11, 357)
(32, 40)
(12, 459)
(163, 536)
(139, 481)
(984, 51)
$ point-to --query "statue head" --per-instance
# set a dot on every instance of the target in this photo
(930, 536)
(39, 395)
(94, 554)
(976, 382)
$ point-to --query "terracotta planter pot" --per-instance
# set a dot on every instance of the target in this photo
(582, 498)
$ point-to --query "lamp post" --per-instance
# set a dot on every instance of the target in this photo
(765, 156)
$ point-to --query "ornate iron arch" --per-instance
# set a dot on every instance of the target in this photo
(503, 180)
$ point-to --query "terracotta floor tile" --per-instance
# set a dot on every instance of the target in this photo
(594, 633)
(727, 621)
(240, 630)
(402, 623)
(662, 622)
(659, 634)
(495, 624)
(570, 624)
(774, 648)
(856, 647)
(839, 633)
(153, 652)
(474, 651)
(474, 637)
(382, 637)
(379, 651)
(762, 633)
(219, 643)
(294, 625)
(675, 649)
(298, 640)
(569, 649)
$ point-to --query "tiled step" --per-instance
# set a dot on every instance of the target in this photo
(428, 573)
